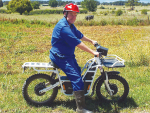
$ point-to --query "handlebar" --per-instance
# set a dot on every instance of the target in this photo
(101, 50)
(96, 55)
(96, 44)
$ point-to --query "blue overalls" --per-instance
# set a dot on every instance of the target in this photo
(64, 40)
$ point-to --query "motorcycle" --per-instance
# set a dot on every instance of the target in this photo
(41, 89)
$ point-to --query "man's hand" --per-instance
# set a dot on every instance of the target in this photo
(84, 38)
(85, 48)
(96, 54)
(94, 42)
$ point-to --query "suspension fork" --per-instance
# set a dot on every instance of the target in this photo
(106, 82)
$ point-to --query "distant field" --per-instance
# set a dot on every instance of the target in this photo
(98, 15)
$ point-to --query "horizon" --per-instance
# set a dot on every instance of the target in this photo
(101, 1)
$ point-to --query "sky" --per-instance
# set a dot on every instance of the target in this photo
(146, 1)
(101, 1)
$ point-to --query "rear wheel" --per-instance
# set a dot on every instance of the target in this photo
(34, 84)
(119, 86)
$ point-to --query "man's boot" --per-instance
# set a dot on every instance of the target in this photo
(80, 102)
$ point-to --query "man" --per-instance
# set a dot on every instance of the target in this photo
(65, 38)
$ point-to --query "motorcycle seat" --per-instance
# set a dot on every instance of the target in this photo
(64, 78)
(53, 64)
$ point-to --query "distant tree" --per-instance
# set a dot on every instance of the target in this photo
(1, 3)
(53, 3)
(78, 3)
(102, 7)
(98, 3)
(20, 6)
(90, 5)
(59, 2)
(132, 3)
(6, 2)
(119, 12)
(35, 5)
(119, 3)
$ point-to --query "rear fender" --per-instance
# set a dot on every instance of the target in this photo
(100, 77)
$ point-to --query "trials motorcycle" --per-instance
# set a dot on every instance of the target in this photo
(41, 89)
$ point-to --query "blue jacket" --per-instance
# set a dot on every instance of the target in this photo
(64, 39)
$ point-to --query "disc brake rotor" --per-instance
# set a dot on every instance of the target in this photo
(39, 87)
(113, 87)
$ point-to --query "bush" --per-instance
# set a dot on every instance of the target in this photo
(119, 12)
(45, 12)
(5, 11)
(51, 12)
(103, 22)
(35, 5)
(83, 11)
(102, 7)
(133, 22)
(53, 3)
(144, 11)
(90, 5)
(142, 60)
(19, 6)
(105, 13)
(25, 13)
(112, 12)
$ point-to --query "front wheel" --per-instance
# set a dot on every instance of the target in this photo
(34, 84)
(119, 86)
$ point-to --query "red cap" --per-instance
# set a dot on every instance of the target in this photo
(71, 7)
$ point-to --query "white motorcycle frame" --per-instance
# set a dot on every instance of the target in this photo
(49, 68)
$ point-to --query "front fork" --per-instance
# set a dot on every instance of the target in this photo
(106, 82)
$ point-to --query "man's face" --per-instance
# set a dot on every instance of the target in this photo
(71, 17)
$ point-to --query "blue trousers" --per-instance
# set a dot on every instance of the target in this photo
(70, 67)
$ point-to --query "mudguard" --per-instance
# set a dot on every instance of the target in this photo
(101, 77)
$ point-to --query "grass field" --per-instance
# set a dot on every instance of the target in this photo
(21, 43)
(27, 42)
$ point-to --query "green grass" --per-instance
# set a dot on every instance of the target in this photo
(25, 42)
(80, 17)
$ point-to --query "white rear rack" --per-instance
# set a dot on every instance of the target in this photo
(38, 65)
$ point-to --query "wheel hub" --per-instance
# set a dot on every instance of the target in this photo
(39, 87)
(113, 87)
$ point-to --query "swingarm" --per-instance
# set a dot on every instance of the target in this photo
(49, 88)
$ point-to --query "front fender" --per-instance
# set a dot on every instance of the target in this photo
(113, 72)
(100, 77)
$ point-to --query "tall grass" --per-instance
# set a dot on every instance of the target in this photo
(102, 22)
(25, 42)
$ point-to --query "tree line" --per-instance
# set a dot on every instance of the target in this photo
(25, 6)
(122, 3)
(62, 3)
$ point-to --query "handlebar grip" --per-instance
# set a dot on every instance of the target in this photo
(99, 54)
(96, 44)
(95, 55)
